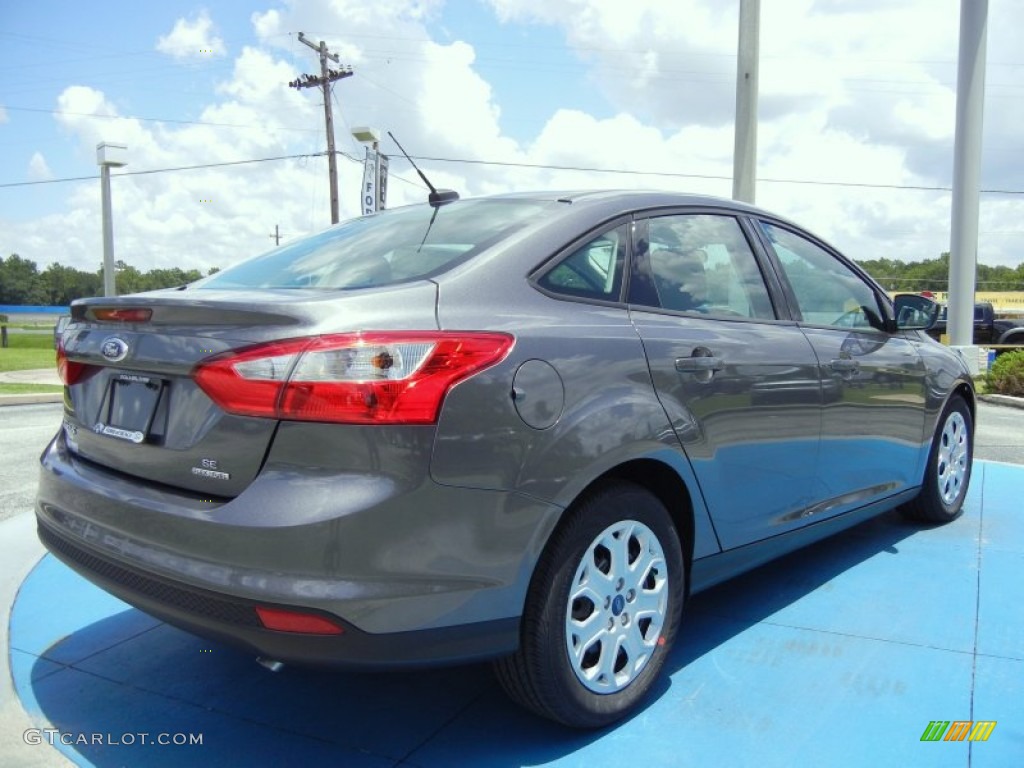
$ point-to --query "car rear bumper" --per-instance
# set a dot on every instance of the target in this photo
(422, 574)
(234, 621)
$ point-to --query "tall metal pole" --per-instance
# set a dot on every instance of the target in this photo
(108, 156)
(109, 288)
(970, 97)
(745, 149)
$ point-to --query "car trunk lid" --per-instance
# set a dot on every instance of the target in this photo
(133, 404)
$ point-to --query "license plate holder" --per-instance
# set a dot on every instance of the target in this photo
(131, 404)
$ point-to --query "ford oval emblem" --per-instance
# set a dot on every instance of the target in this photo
(114, 349)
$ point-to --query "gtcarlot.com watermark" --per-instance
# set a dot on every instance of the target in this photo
(54, 737)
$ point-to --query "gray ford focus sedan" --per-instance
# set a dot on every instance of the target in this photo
(524, 428)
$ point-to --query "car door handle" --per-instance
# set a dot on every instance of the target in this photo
(699, 364)
(844, 365)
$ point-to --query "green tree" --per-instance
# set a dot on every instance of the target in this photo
(170, 278)
(933, 275)
(128, 279)
(19, 282)
(62, 285)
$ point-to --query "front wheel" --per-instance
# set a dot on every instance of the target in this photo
(949, 467)
(602, 611)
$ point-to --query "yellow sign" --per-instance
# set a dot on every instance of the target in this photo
(1002, 301)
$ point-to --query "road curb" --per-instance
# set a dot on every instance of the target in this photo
(1008, 400)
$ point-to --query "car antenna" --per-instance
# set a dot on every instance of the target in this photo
(437, 197)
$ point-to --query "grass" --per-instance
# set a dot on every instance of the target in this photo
(33, 326)
(27, 351)
(21, 389)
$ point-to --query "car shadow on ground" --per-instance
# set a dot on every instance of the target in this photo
(150, 678)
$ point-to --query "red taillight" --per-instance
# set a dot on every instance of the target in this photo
(296, 621)
(122, 314)
(68, 370)
(389, 377)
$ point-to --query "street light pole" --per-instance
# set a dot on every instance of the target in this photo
(963, 251)
(744, 169)
(108, 156)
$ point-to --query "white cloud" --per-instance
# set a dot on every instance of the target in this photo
(192, 39)
(74, 107)
(203, 217)
(38, 170)
(846, 96)
(849, 92)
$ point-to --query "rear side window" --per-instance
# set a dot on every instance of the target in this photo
(702, 263)
(593, 271)
(394, 246)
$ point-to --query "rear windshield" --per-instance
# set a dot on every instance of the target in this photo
(391, 247)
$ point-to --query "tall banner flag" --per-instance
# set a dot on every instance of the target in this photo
(382, 182)
(369, 190)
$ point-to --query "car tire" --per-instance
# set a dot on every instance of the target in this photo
(949, 467)
(602, 610)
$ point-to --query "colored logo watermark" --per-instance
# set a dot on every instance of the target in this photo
(958, 730)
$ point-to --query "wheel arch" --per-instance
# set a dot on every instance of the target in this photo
(667, 485)
(1012, 336)
(966, 391)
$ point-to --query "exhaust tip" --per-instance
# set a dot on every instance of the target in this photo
(272, 664)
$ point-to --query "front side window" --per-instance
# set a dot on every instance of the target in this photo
(702, 263)
(827, 291)
(592, 271)
(394, 246)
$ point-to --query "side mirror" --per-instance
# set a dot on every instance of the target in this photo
(914, 313)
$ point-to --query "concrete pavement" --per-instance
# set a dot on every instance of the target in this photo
(20, 551)
(33, 376)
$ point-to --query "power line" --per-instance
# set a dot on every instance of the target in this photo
(143, 119)
(539, 166)
(670, 174)
(165, 170)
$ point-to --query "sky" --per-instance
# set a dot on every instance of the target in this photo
(855, 138)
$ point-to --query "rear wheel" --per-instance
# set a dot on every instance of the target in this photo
(949, 467)
(602, 611)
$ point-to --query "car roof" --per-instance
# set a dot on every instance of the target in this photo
(631, 199)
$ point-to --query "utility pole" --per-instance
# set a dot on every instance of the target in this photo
(326, 77)
(276, 235)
